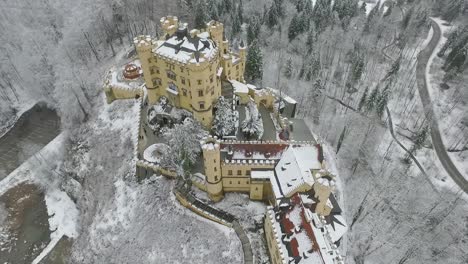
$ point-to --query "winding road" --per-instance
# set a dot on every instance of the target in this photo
(423, 82)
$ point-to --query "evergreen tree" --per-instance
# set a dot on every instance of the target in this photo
(322, 14)
(363, 100)
(302, 71)
(452, 10)
(200, 15)
(240, 12)
(310, 39)
(213, 11)
(382, 102)
(288, 69)
(308, 76)
(371, 101)
(273, 17)
(363, 7)
(236, 25)
(395, 68)
(421, 137)
(254, 62)
(300, 5)
(315, 65)
(296, 27)
(253, 30)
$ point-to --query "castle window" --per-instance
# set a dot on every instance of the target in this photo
(238, 182)
(182, 80)
(256, 188)
(247, 172)
(229, 172)
(156, 82)
(181, 69)
(184, 92)
(200, 93)
(214, 161)
(230, 182)
(202, 105)
(237, 67)
(239, 172)
(214, 168)
(173, 87)
(216, 178)
(247, 181)
(212, 90)
(149, 60)
(199, 82)
(171, 75)
(211, 79)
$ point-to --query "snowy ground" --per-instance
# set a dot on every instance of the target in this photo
(251, 214)
(124, 221)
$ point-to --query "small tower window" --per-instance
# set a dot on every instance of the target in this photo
(199, 82)
(202, 105)
(215, 169)
(216, 178)
(239, 172)
(182, 80)
(229, 172)
(200, 93)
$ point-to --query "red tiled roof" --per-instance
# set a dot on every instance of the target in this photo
(272, 149)
(294, 247)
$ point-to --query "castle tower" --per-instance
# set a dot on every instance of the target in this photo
(216, 30)
(169, 25)
(212, 163)
(144, 46)
(323, 187)
(243, 57)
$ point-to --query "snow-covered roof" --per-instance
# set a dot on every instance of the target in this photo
(239, 87)
(262, 174)
(294, 169)
(183, 48)
(303, 235)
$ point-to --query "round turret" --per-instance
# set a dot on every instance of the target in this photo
(212, 164)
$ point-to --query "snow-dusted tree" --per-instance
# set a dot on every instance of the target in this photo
(322, 14)
(296, 27)
(363, 100)
(372, 100)
(254, 63)
(184, 140)
(288, 69)
(253, 29)
(225, 119)
(240, 12)
(252, 126)
(382, 102)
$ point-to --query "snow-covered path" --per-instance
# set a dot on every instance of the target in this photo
(424, 61)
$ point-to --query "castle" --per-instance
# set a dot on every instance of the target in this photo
(188, 67)
(303, 223)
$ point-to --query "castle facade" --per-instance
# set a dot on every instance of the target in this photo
(188, 67)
